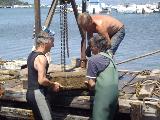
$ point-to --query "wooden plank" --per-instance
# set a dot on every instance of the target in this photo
(127, 78)
(69, 80)
(75, 117)
(15, 83)
(81, 102)
(37, 17)
(16, 113)
(138, 78)
(125, 104)
(153, 77)
(129, 89)
(136, 111)
(28, 115)
(146, 91)
(125, 96)
(14, 95)
(84, 103)
(50, 13)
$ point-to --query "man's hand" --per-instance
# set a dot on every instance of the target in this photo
(90, 84)
(56, 86)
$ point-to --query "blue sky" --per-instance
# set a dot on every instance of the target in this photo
(106, 1)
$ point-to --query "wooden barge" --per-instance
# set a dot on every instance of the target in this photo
(139, 95)
(139, 91)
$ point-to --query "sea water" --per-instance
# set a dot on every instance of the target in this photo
(142, 36)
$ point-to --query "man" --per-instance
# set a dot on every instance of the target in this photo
(48, 54)
(37, 81)
(110, 28)
(103, 77)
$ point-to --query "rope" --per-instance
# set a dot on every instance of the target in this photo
(138, 85)
(138, 57)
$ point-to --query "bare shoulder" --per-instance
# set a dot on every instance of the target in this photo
(40, 60)
(100, 17)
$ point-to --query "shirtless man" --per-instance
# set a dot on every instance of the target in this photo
(108, 27)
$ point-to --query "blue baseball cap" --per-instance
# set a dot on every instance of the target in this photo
(51, 33)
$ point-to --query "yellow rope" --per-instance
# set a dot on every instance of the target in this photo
(138, 85)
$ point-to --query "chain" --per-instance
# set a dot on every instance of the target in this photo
(66, 27)
(61, 31)
(64, 34)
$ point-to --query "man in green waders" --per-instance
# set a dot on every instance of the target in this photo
(103, 77)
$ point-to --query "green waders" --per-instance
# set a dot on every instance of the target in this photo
(106, 92)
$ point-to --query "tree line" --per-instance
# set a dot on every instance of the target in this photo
(12, 2)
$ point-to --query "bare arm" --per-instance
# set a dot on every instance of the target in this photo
(40, 66)
(108, 40)
(105, 34)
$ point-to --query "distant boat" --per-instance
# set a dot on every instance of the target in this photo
(133, 8)
(94, 6)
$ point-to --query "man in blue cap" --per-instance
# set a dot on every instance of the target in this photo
(51, 33)
(37, 81)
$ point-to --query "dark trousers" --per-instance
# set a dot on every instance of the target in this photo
(39, 104)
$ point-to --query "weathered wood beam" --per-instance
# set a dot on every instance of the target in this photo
(16, 113)
(37, 16)
(146, 91)
(14, 95)
(127, 78)
(25, 114)
(83, 41)
(136, 111)
(50, 13)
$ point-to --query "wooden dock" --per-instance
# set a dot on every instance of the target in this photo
(139, 96)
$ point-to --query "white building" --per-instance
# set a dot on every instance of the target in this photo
(94, 6)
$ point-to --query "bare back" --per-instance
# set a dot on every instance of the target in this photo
(106, 24)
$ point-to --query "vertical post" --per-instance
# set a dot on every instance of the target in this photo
(83, 42)
(84, 5)
(37, 16)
